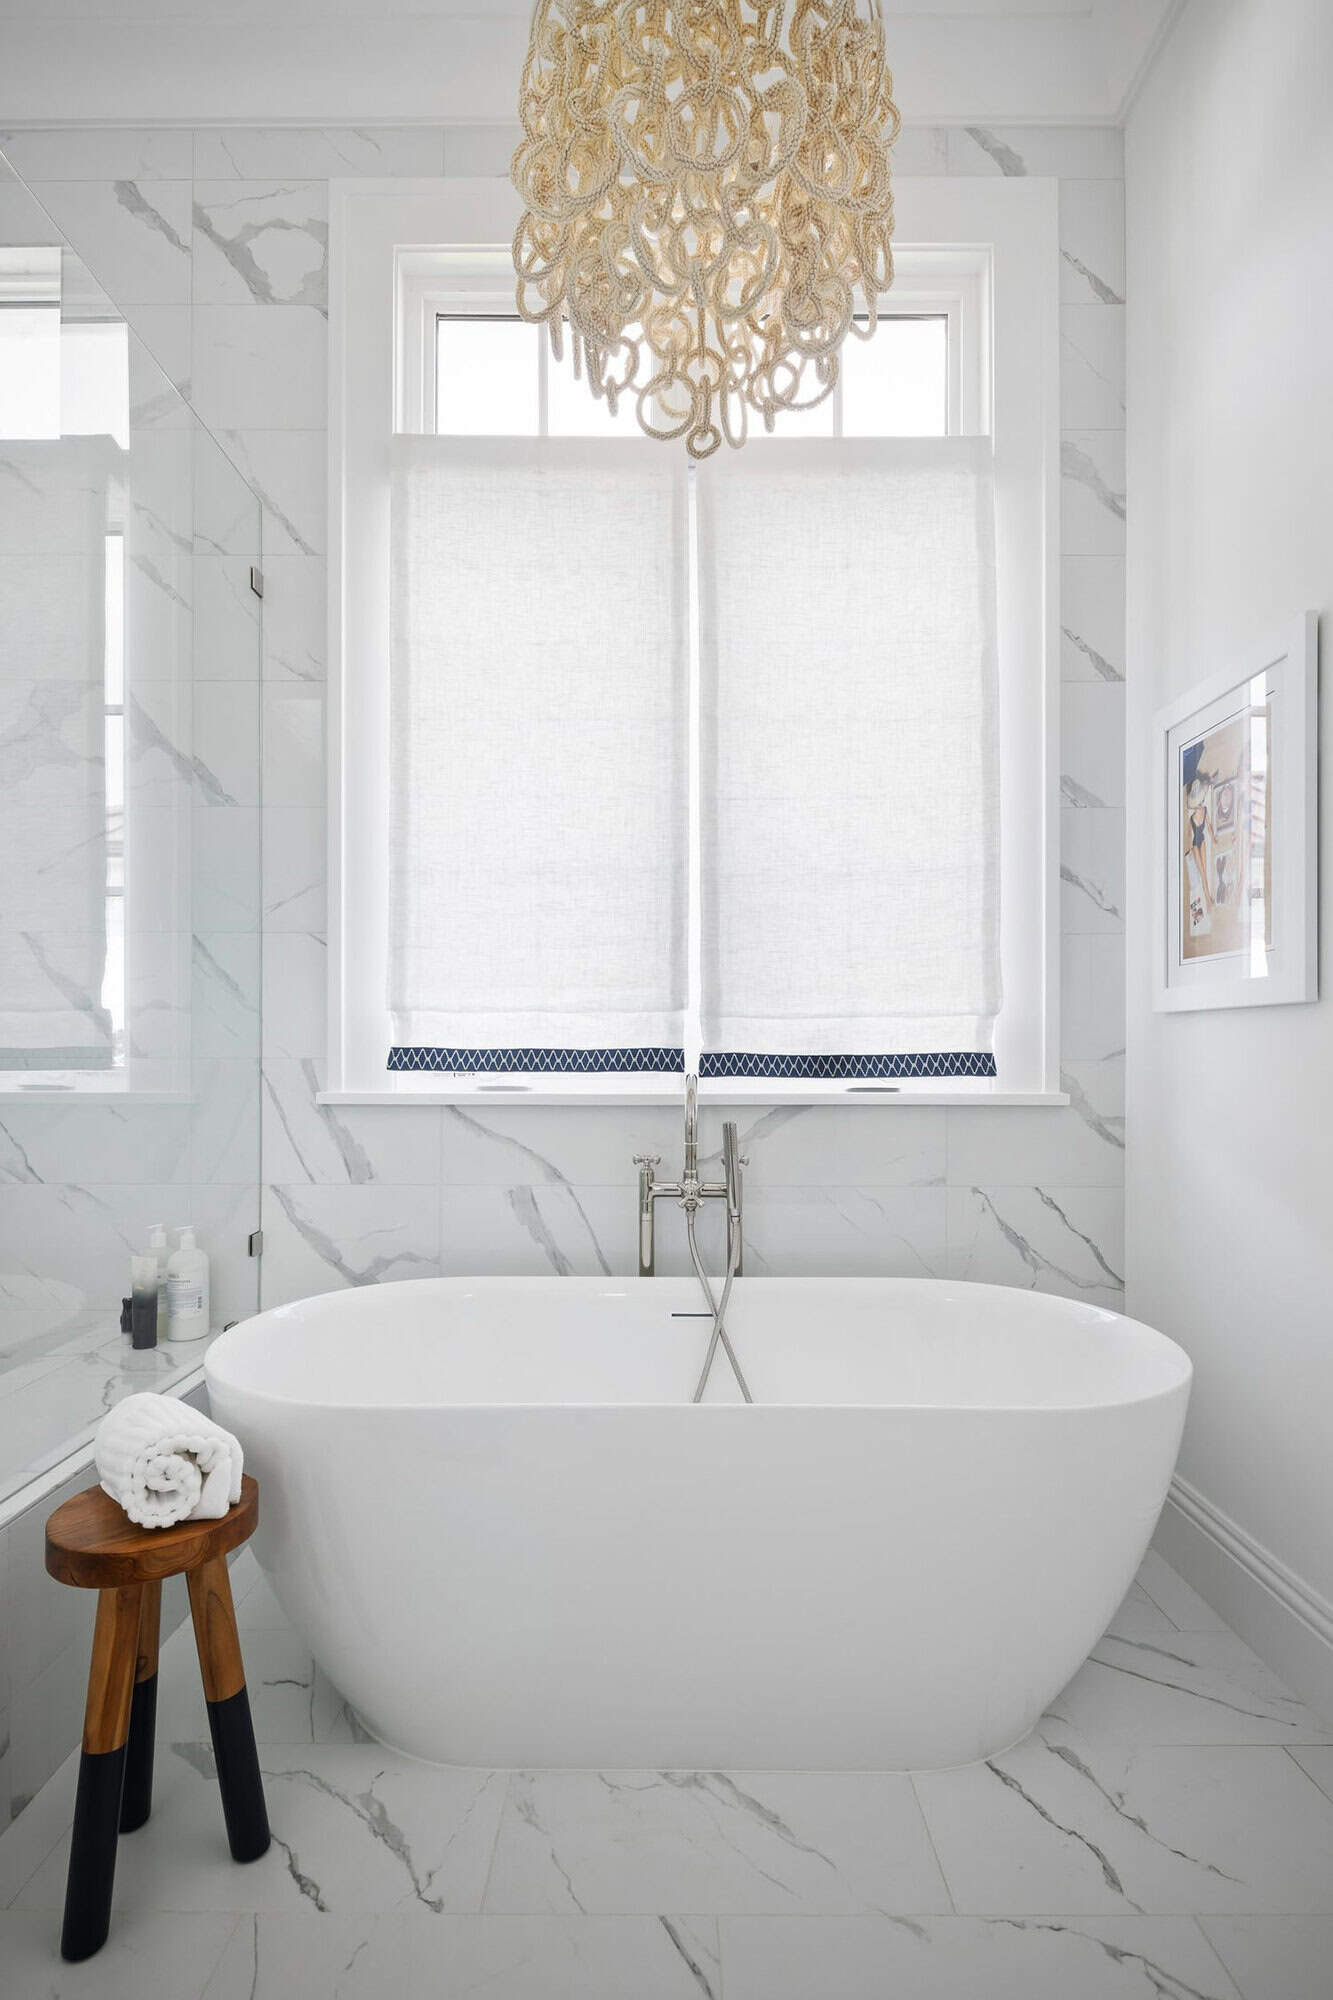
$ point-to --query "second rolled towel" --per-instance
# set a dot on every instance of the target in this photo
(164, 1462)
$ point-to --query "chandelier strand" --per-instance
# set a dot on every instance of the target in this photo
(707, 196)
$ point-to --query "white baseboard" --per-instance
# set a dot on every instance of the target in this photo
(1275, 1611)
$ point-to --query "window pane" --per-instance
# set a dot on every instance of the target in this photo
(95, 379)
(896, 384)
(485, 377)
(30, 371)
(572, 409)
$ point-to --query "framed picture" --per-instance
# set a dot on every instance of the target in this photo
(1237, 863)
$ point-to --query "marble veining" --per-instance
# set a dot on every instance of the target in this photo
(1162, 1869)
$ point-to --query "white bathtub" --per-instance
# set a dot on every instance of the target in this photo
(509, 1538)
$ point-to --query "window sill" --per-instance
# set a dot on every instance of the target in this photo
(586, 1091)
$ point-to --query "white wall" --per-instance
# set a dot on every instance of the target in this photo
(1230, 1116)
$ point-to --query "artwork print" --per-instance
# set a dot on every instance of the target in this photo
(1225, 836)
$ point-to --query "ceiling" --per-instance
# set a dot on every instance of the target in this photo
(361, 61)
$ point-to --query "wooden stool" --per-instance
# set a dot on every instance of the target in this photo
(91, 1542)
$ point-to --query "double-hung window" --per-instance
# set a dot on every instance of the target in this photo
(648, 767)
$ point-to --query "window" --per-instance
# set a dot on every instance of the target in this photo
(959, 357)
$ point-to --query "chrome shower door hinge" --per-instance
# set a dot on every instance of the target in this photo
(256, 579)
(256, 1242)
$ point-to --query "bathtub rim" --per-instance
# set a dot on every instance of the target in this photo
(1168, 1350)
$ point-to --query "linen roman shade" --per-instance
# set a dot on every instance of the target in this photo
(539, 765)
(849, 779)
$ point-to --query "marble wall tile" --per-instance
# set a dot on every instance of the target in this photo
(921, 150)
(323, 1238)
(227, 642)
(273, 152)
(1092, 367)
(1068, 152)
(1081, 1146)
(1092, 869)
(287, 471)
(480, 152)
(259, 370)
(295, 617)
(227, 511)
(1092, 493)
(261, 243)
(159, 347)
(1092, 242)
(506, 1145)
(863, 1144)
(224, 743)
(1092, 618)
(158, 865)
(53, 612)
(294, 859)
(296, 970)
(356, 1144)
(1092, 998)
(224, 1215)
(294, 736)
(158, 981)
(1066, 1240)
(1092, 745)
(134, 235)
(107, 1142)
(225, 994)
(101, 153)
(224, 1121)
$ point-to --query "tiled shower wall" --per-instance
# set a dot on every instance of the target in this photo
(214, 244)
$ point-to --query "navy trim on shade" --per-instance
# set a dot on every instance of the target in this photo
(575, 1062)
(565, 1062)
(956, 1063)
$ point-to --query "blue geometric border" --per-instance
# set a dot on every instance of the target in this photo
(574, 1062)
(565, 1062)
(957, 1063)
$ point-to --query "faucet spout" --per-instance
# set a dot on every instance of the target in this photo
(691, 1172)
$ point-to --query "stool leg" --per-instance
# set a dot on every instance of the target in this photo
(137, 1798)
(92, 1853)
(229, 1721)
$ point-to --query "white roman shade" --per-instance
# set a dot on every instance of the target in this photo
(849, 780)
(538, 754)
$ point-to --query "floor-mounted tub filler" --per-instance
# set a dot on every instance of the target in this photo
(511, 1539)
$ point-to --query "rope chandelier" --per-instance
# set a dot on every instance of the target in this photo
(707, 201)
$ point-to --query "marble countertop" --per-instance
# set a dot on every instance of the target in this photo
(56, 1385)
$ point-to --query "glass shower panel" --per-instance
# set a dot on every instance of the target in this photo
(129, 846)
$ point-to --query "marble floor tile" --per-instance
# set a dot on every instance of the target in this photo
(153, 1958)
(1186, 1687)
(26, 1843)
(1139, 1618)
(1317, 1764)
(1276, 1958)
(1056, 1827)
(279, 1675)
(1182, 1604)
(411, 1953)
(356, 1829)
(763, 1841)
(967, 1958)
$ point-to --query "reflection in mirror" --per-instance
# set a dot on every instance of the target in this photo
(129, 844)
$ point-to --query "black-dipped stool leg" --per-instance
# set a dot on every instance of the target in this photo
(239, 1779)
(92, 1854)
(137, 1797)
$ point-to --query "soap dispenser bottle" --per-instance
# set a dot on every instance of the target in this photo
(187, 1290)
(157, 1249)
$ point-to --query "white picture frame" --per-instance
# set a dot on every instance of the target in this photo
(1236, 851)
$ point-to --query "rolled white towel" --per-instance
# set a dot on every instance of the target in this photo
(164, 1462)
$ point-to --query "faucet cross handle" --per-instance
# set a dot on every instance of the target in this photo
(647, 1159)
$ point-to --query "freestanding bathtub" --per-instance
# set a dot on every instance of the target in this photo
(510, 1539)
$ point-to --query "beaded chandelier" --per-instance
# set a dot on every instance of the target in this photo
(708, 203)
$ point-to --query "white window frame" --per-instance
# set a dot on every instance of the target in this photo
(387, 277)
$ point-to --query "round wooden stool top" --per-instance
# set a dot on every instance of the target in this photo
(92, 1542)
